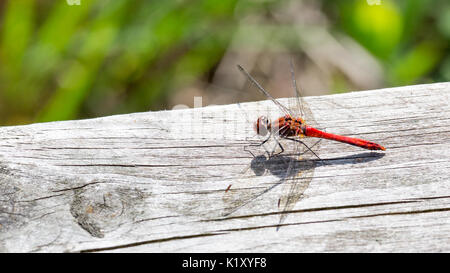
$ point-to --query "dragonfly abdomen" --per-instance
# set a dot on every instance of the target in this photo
(313, 132)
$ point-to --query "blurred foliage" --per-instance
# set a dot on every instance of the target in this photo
(61, 61)
(409, 37)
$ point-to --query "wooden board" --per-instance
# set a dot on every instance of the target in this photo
(156, 181)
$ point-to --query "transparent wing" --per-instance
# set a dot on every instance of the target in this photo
(254, 181)
(260, 176)
(289, 169)
(262, 90)
(302, 169)
(301, 107)
(300, 175)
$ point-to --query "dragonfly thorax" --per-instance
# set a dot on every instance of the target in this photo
(285, 126)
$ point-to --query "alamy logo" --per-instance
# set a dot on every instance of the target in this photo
(73, 2)
(373, 2)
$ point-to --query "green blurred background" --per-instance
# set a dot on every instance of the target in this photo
(60, 61)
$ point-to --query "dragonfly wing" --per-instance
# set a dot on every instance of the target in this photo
(301, 107)
(302, 168)
(299, 175)
(293, 172)
(254, 182)
(283, 108)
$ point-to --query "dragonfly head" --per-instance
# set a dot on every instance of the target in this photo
(262, 126)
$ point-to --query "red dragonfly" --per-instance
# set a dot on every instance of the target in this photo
(290, 126)
(296, 174)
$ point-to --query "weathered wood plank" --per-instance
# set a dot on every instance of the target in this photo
(156, 181)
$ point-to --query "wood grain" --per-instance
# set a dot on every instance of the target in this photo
(157, 181)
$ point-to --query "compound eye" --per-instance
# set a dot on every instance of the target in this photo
(261, 126)
(264, 121)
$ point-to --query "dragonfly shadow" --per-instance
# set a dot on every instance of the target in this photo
(296, 172)
(354, 159)
(280, 165)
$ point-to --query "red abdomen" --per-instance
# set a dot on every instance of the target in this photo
(313, 132)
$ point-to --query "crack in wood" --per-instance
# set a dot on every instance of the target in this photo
(313, 210)
(37, 199)
(175, 238)
(401, 213)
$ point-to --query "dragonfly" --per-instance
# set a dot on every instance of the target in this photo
(291, 126)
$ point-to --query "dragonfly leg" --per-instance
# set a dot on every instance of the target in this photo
(317, 142)
(280, 132)
(281, 147)
(299, 141)
(269, 154)
(256, 145)
(245, 149)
